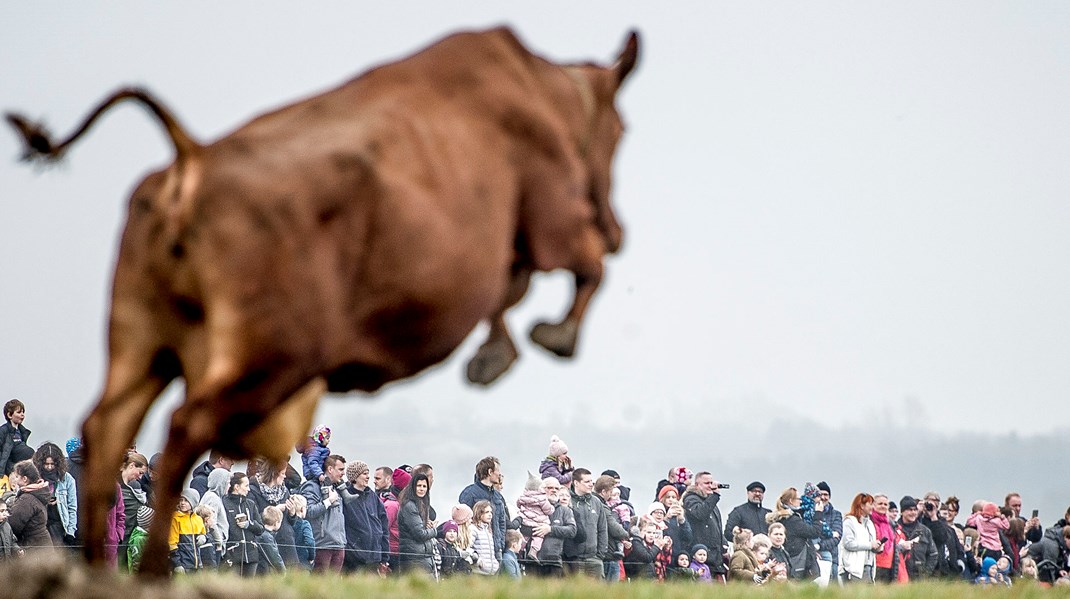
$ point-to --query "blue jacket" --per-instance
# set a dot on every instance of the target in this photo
(478, 491)
(312, 462)
(367, 527)
(305, 542)
(510, 565)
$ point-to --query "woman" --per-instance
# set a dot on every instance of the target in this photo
(887, 559)
(673, 523)
(134, 498)
(798, 533)
(416, 533)
(29, 517)
(483, 538)
(859, 543)
(63, 507)
(268, 487)
(242, 552)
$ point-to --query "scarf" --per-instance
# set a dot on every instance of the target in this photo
(884, 531)
(274, 495)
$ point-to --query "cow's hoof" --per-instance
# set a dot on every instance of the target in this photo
(491, 361)
(559, 339)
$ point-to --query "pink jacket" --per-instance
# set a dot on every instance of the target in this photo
(114, 527)
(988, 529)
(535, 508)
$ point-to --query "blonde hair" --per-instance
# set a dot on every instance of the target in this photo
(204, 511)
(777, 526)
(272, 515)
(741, 537)
(783, 509)
(760, 540)
(300, 504)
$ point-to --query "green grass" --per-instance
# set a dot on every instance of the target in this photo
(63, 576)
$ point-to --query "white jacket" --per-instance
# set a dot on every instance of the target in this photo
(483, 545)
(856, 546)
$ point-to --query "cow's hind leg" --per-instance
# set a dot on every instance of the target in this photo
(223, 414)
(499, 352)
(561, 338)
(136, 377)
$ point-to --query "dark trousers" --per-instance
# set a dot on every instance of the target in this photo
(329, 560)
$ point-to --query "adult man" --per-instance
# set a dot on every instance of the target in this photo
(384, 486)
(829, 548)
(562, 527)
(921, 555)
(326, 516)
(488, 474)
(749, 515)
(1033, 530)
(1051, 553)
(583, 553)
(625, 492)
(200, 473)
(700, 509)
(616, 533)
(367, 526)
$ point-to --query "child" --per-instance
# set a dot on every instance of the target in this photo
(647, 542)
(268, 547)
(186, 526)
(989, 573)
(9, 549)
(303, 538)
(138, 536)
(535, 510)
(760, 548)
(682, 568)
(454, 559)
(14, 437)
(210, 546)
(315, 453)
(557, 464)
(1029, 568)
(510, 565)
(621, 509)
(988, 522)
(482, 539)
(699, 553)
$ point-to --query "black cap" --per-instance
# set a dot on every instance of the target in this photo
(756, 485)
(907, 502)
(612, 473)
(824, 486)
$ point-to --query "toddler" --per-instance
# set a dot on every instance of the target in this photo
(535, 509)
(210, 545)
(557, 463)
(681, 569)
(315, 452)
(989, 523)
(510, 565)
(699, 553)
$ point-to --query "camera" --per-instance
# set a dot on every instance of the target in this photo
(724, 486)
(929, 506)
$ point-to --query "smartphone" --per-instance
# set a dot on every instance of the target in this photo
(884, 540)
(1036, 513)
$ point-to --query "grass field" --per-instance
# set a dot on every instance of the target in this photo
(64, 578)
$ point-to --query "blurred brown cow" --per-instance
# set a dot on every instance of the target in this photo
(346, 241)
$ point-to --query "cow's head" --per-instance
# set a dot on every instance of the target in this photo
(597, 87)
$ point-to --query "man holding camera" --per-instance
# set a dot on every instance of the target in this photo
(921, 554)
(326, 517)
(700, 508)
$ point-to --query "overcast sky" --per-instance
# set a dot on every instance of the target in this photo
(845, 210)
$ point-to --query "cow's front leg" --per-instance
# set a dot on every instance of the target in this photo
(498, 352)
(561, 338)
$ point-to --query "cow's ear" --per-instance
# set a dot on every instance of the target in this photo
(628, 57)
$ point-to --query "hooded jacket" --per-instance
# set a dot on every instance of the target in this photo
(706, 527)
(29, 518)
(217, 483)
(562, 528)
(328, 523)
(367, 526)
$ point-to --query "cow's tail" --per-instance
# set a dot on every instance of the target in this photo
(39, 147)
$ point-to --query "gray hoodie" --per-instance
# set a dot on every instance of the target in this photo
(328, 523)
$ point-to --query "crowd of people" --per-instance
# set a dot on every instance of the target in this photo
(340, 516)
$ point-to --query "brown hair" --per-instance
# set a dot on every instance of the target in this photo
(27, 469)
(604, 482)
(485, 466)
(478, 509)
(133, 457)
(13, 406)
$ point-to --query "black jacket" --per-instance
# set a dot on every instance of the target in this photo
(562, 528)
(706, 527)
(750, 516)
(241, 544)
(921, 562)
(7, 444)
